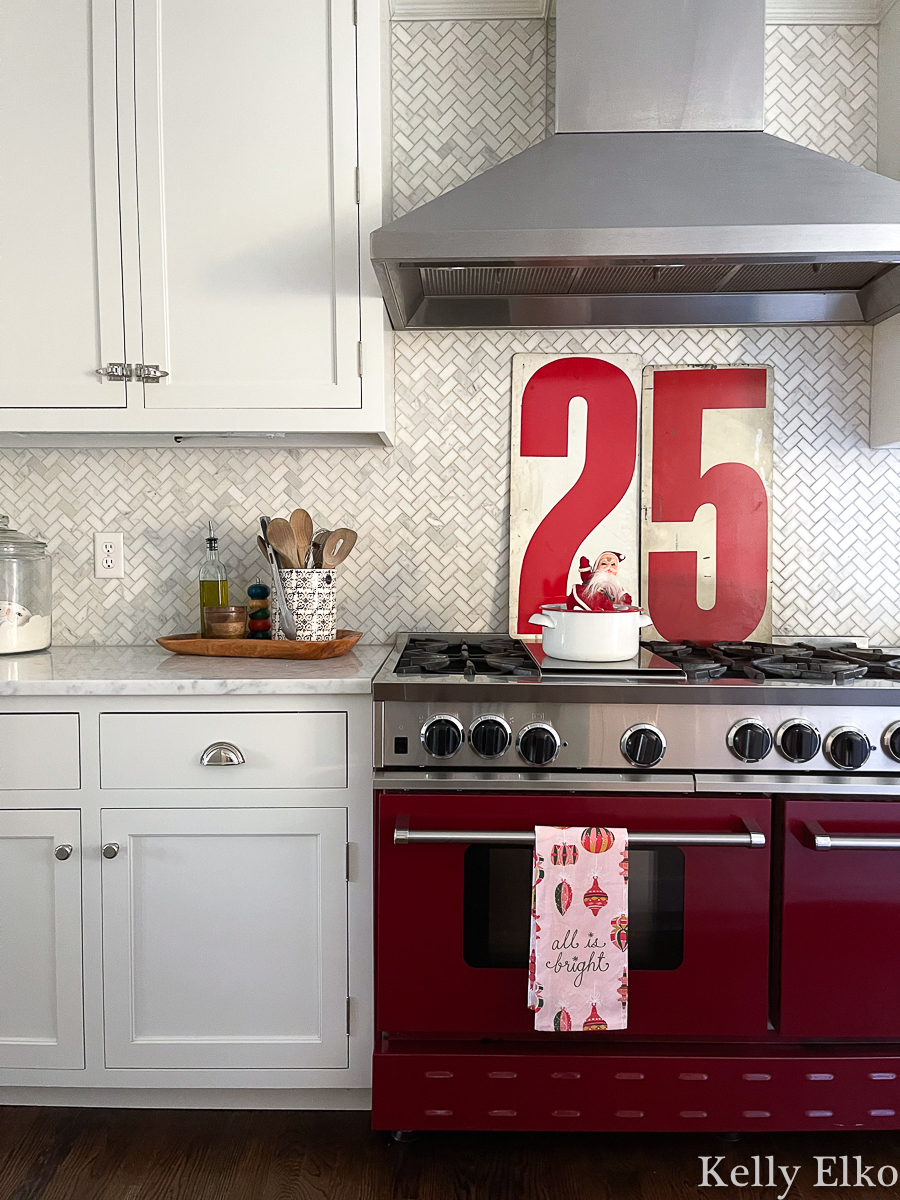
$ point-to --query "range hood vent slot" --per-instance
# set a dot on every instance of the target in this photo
(690, 278)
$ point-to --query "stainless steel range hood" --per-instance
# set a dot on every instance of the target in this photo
(659, 201)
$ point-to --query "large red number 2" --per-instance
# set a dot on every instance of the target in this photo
(679, 489)
(610, 456)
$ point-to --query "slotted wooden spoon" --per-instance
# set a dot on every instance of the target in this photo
(337, 546)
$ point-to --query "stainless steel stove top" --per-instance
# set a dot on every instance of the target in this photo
(604, 683)
(480, 705)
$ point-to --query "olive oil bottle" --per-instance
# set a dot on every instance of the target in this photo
(213, 579)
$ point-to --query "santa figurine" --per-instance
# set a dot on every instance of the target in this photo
(600, 589)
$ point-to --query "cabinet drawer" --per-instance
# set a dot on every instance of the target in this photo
(279, 750)
(39, 751)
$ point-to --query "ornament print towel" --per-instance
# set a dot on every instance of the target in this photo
(578, 969)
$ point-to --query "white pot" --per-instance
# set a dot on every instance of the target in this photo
(590, 636)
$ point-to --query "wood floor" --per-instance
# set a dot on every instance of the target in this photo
(116, 1154)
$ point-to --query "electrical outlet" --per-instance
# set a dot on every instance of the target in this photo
(109, 556)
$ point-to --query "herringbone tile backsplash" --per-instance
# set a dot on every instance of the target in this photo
(432, 512)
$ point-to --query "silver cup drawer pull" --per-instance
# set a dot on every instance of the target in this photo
(221, 754)
(63, 852)
(110, 850)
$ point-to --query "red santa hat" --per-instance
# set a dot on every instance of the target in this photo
(620, 557)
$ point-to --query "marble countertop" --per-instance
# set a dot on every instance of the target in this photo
(152, 671)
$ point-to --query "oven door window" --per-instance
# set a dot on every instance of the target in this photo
(497, 907)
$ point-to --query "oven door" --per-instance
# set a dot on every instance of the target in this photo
(453, 911)
(840, 970)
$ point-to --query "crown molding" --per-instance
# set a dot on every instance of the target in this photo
(467, 10)
(825, 12)
(778, 12)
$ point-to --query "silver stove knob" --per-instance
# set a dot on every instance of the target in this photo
(643, 745)
(749, 740)
(490, 736)
(538, 744)
(798, 741)
(847, 748)
(890, 741)
(442, 736)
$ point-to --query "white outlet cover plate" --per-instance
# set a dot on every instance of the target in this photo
(109, 555)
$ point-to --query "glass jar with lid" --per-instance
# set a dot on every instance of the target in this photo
(25, 592)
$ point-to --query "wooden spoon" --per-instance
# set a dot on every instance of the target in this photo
(281, 538)
(338, 546)
(301, 523)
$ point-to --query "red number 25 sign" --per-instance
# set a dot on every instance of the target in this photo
(579, 423)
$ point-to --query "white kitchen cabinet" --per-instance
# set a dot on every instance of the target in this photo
(60, 285)
(225, 937)
(41, 1021)
(213, 232)
(246, 157)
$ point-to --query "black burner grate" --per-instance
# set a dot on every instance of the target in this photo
(761, 660)
(454, 654)
(809, 669)
(879, 664)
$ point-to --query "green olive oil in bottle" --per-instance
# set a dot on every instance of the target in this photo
(213, 579)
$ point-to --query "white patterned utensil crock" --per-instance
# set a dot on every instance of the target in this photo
(310, 597)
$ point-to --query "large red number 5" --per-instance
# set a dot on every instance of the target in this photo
(610, 456)
(678, 491)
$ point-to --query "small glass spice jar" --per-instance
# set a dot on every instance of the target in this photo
(226, 621)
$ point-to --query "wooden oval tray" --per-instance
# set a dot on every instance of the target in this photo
(193, 643)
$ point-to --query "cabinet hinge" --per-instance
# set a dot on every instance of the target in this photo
(358, 192)
(359, 359)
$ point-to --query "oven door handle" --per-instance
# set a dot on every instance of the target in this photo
(752, 837)
(850, 841)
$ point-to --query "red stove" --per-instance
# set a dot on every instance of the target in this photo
(761, 789)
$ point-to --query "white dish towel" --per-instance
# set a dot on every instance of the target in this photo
(578, 970)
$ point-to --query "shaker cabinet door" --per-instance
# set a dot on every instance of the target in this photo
(61, 305)
(225, 937)
(249, 225)
(840, 970)
(41, 1014)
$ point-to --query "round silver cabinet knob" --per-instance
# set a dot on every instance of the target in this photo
(62, 853)
(110, 850)
(221, 754)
